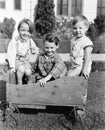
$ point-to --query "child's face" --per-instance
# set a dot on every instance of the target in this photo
(79, 29)
(50, 48)
(24, 31)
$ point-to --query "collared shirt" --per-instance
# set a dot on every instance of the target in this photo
(51, 65)
(24, 48)
(17, 47)
(77, 51)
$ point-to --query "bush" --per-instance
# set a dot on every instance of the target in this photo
(7, 28)
(64, 26)
(92, 32)
(100, 24)
(44, 17)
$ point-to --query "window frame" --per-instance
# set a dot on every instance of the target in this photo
(17, 4)
(76, 6)
(100, 7)
(61, 6)
(2, 4)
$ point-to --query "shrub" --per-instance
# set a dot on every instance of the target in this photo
(100, 23)
(44, 17)
(64, 26)
(92, 32)
(7, 28)
(99, 42)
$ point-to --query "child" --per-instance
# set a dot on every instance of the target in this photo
(20, 49)
(81, 48)
(50, 65)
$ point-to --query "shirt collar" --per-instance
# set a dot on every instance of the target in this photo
(46, 57)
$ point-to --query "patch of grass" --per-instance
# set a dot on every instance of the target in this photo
(98, 66)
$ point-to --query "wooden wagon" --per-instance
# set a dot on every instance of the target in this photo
(65, 91)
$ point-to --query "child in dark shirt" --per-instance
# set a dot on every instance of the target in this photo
(49, 64)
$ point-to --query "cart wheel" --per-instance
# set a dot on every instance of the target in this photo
(80, 112)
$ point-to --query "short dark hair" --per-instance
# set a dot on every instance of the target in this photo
(80, 18)
(30, 24)
(51, 37)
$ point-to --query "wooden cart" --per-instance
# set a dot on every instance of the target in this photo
(66, 91)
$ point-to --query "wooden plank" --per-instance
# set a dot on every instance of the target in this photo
(65, 91)
(95, 57)
(3, 57)
(2, 89)
(65, 57)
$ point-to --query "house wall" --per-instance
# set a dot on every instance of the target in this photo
(27, 10)
(90, 9)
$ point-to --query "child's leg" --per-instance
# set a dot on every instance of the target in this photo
(74, 72)
(20, 73)
(28, 73)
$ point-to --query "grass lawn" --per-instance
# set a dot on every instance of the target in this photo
(60, 118)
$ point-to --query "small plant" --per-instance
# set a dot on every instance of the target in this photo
(7, 28)
(92, 32)
(64, 26)
(100, 24)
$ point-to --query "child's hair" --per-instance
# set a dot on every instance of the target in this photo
(51, 37)
(80, 18)
(30, 24)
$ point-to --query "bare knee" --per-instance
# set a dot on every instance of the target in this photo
(21, 69)
(72, 73)
(28, 72)
(20, 73)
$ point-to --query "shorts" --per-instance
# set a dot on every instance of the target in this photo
(74, 72)
(26, 64)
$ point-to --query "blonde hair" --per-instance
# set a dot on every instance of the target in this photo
(29, 23)
(80, 18)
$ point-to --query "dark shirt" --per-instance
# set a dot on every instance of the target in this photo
(50, 65)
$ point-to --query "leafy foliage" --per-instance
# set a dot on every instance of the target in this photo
(44, 17)
(64, 26)
(7, 27)
(100, 24)
(92, 32)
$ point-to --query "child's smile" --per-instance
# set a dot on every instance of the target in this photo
(79, 29)
(50, 48)
(24, 31)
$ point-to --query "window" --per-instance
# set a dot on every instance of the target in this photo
(62, 7)
(76, 7)
(101, 7)
(2, 4)
(17, 4)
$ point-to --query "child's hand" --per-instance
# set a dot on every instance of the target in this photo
(85, 74)
(12, 70)
(44, 80)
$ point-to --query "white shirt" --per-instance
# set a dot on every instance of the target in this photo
(77, 51)
(18, 47)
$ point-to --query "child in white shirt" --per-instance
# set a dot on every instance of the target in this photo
(81, 48)
(19, 50)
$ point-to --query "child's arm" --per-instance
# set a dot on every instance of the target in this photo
(58, 68)
(34, 48)
(11, 52)
(87, 58)
(44, 80)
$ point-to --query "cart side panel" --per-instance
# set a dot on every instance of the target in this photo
(65, 91)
